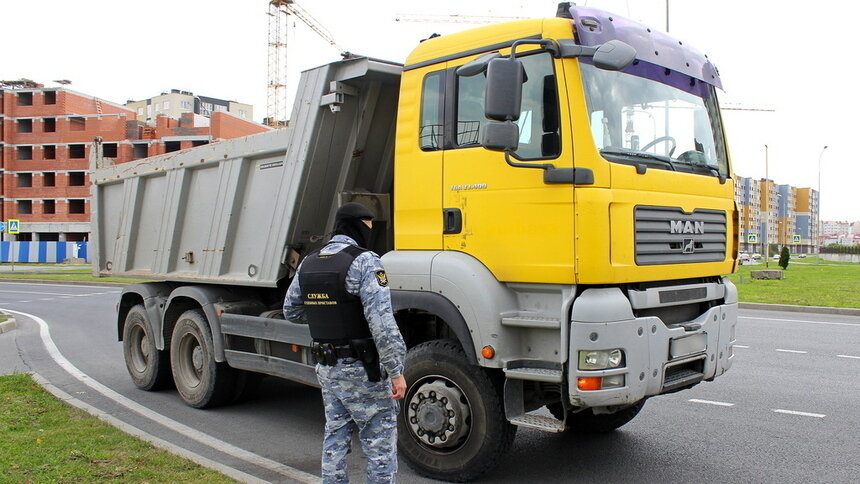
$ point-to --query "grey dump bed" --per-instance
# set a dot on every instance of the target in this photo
(230, 212)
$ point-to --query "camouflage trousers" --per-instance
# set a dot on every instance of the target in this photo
(352, 402)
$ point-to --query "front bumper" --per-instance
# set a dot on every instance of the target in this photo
(658, 358)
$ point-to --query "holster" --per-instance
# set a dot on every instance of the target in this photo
(365, 350)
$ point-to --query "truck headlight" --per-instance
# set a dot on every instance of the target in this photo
(601, 359)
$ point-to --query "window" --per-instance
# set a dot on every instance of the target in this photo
(25, 207)
(76, 206)
(49, 236)
(77, 123)
(77, 151)
(109, 150)
(166, 105)
(538, 122)
(49, 152)
(49, 206)
(242, 114)
(199, 142)
(172, 146)
(185, 104)
(76, 179)
(50, 97)
(157, 107)
(49, 179)
(140, 111)
(25, 180)
(25, 99)
(24, 125)
(149, 111)
(430, 127)
(49, 125)
(141, 150)
(25, 152)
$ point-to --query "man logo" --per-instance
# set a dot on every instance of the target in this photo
(689, 246)
(686, 227)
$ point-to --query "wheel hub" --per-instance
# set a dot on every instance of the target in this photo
(197, 358)
(438, 413)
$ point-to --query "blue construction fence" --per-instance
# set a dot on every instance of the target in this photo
(42, 251)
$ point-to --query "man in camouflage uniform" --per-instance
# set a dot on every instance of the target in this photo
(351, 400)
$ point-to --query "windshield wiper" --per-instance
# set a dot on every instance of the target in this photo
(641, 154)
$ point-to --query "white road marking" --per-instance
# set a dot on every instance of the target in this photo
(802, 321)
(740, 346)
(792, 351)
(65, 286)
(848, 356)
(191, 433)
(711, 402)
(132, 430)
(36, 292)
(802, 414)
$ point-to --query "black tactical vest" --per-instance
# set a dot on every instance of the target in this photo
(333, 314)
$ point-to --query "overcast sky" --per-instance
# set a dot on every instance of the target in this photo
(796, 58)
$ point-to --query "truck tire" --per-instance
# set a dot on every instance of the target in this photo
(452, 424)
(148, 367)
(586, 422)
(201, 381)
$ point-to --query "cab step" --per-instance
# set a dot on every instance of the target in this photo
(535, 374)
(539, 422)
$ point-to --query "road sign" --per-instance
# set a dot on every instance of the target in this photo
(13, 226)
(2, 226)
(795, 239)
(752, 238)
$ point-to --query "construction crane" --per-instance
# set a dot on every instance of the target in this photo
(279, 14)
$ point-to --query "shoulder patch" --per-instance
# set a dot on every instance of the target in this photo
(381, 278)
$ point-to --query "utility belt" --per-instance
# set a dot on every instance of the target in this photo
(362, 349)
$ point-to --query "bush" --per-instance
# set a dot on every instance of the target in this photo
(840, 249)
(783, 257)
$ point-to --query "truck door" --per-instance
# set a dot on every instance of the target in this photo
(507, 217)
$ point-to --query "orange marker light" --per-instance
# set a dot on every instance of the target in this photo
(488, 352)
(590, 383)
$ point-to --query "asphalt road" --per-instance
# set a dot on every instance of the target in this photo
(786, 412)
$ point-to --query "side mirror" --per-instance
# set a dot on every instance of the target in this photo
(614, 55)
(504, 89)
(501, 136)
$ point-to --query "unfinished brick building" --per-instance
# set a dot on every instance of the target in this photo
(45, 138)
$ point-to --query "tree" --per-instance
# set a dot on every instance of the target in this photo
(783, 257)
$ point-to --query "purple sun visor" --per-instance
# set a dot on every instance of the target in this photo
(595, 27)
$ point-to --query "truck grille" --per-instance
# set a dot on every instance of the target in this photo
(668, 235)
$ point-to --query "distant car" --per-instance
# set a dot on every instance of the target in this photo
(744, 256)
(756, 257)
(801, 256)
(775, 257)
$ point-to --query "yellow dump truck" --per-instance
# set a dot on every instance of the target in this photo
(554, 207)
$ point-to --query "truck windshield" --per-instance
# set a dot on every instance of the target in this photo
(655, 117)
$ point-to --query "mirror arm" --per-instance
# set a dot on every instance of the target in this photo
(555, 176)
(548, 44)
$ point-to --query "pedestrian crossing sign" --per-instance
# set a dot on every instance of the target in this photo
(795, 239)
(13, 226)
(752, 238)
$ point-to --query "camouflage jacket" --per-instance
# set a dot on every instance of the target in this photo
(365, 279)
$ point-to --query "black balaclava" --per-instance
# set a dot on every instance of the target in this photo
(348, 221)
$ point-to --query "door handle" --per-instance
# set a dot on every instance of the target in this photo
(453, 220)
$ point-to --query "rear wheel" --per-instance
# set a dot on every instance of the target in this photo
(587, 422)
(148, 367)
(201, 381)
(452, 425)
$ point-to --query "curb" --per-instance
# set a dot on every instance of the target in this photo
(801, 309)
(8, 325)
(70, 283)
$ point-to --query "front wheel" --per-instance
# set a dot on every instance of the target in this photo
(201, 381)
(452, 425)
(148, 367)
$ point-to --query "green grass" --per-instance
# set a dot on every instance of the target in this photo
(804, 285)
(45, 440)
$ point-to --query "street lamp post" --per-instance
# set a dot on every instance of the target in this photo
(818, 221)
(767, 213)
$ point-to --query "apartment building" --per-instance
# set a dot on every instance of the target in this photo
(776, 214)
(45, 138)
(176, 103)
